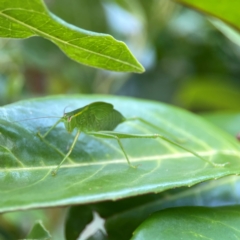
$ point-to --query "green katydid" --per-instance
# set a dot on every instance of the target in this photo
(99, 119)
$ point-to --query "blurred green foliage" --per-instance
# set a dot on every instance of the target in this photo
(180, 49)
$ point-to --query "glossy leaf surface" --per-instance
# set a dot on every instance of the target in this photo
(97, 169)
(191, 223)
(31, 18)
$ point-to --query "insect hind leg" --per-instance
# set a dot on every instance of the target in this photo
(154, 136)
(177, 139)
(112, 135)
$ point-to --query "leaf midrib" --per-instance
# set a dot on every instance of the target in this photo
(123, 160)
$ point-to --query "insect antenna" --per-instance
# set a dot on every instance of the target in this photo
(65, 109)
(22, 120)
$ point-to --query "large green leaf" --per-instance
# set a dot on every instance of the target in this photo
(97, 169)
(192, 223)
(31, 18)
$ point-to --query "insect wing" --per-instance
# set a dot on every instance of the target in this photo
(100, 109)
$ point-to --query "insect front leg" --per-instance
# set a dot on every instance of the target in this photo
(50, 129)
(110, 135)
(54, 172)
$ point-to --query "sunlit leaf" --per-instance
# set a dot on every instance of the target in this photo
(208, 93)
(97, 169)
(223, 10)
(31, 18)
(222, 15)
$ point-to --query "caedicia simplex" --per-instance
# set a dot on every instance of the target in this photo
(99, 119)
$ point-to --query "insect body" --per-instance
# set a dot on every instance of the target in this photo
(99, 119)
(92, 119)
(98, 116)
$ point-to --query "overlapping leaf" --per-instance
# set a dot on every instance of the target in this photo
(192, 223)
(128, 214)
(31, 18)
(97, 169)
(124, 216)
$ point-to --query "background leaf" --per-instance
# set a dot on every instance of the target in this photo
(191, 223)
(228, 121)
(94, 49)
(223, 16)
(224, 11)
(19, 223)
(97, 169)
(203, 93)
(77, 219)
(124, 216)
(39, 232)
